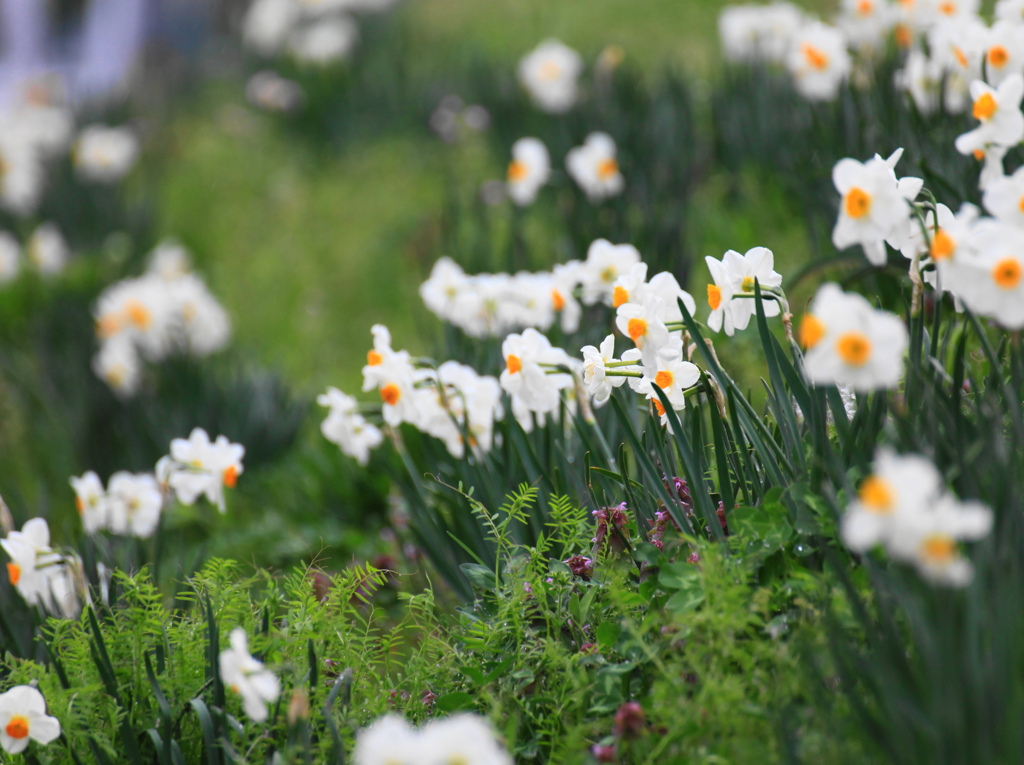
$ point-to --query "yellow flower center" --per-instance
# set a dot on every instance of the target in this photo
(943, 245)
(517, 171)
(938, 548)
(664, 380)
(17, 727)
(373, 358)
(811, 331)
(1007, 273)
(390, 394)
(984, 107)
(138, 314)
(107, 325)
(857, 202)
(115, 376)
(14, 573)
(607, 168)
(620, 295)
(557, 300)
(854, 348)
(816, 58)
(550, 71)
(877, 495)
(609, 274)
(998, 56)
(637, 328)
(230, 476)
(714, 296)
(748, 284)
(513, 363)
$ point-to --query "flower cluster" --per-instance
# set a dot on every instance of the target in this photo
(34, 130)
(46, 251)
(593, 166)
(314, 32)
(459, 738)
(903, 505)
(197, 466)
(347, 428)
(130, 505)
(42, 576)
(167, 310)
(492, 305)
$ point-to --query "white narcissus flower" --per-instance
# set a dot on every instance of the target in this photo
(605, 264)
(243, 675)
(461, 738)
(594, 167)
(119, 366)
(998, 111)
(1004, 198)
(266, 25)
(643, 324)
(549, 74)
(850, 343)
(47, 250)
(1003, 47)
(105, 154)
(753, 33)
(992, 282)
(899, 485)
(324, 41)
(21, 174)
(595, 370)
(735, 275)
(392, 374)
(91, 502)
(867, 23)
(10, 257)
(135, 504)
(39, 573)
(347, 428)
(529, 169)
(875, 205)
(529, 357)
(389, 740)
(202, 467)
(23, 718)
(929, 539)
(674, 376)
(440, 290)
(818, 61)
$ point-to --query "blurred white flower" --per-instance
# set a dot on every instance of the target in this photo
(135, 503)
(549, 74)
(606, 263)
(851, 343)
(594, 167)
(347, 428)
(529, 169)
(105, 154)
(998, 111)
(91, 502)
(40, 574)
(47, 250)
(752, 33)
(266, 25)
(243, 675)
(324, 41)
(202, 467)
(818, 61)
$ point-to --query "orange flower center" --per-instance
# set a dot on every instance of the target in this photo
(549, 71)
(79, 505)
(230, 476)
(815, 57)
(943, 245)
(607, 168)
(984, 107)
(664, 380)
(903, 36)
(938, 548)
(620, 295)
(637, 328)
(947, 8)
(390, 394)
(865, 7)
(857, 202)
(658, 407)
(107, 325)
(1020, 204)
(17, 727)
(1007, 273)
(714, 296)
(811, 331)
(138, 314)
(373, 358)
(998, 56)
(877, 496)
(557, 300)
(854, 348)
(513, 363)
(961, 57)
(979, 154)
(14, 573)
(517, 171)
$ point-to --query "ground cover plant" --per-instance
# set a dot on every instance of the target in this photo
(623, 500)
